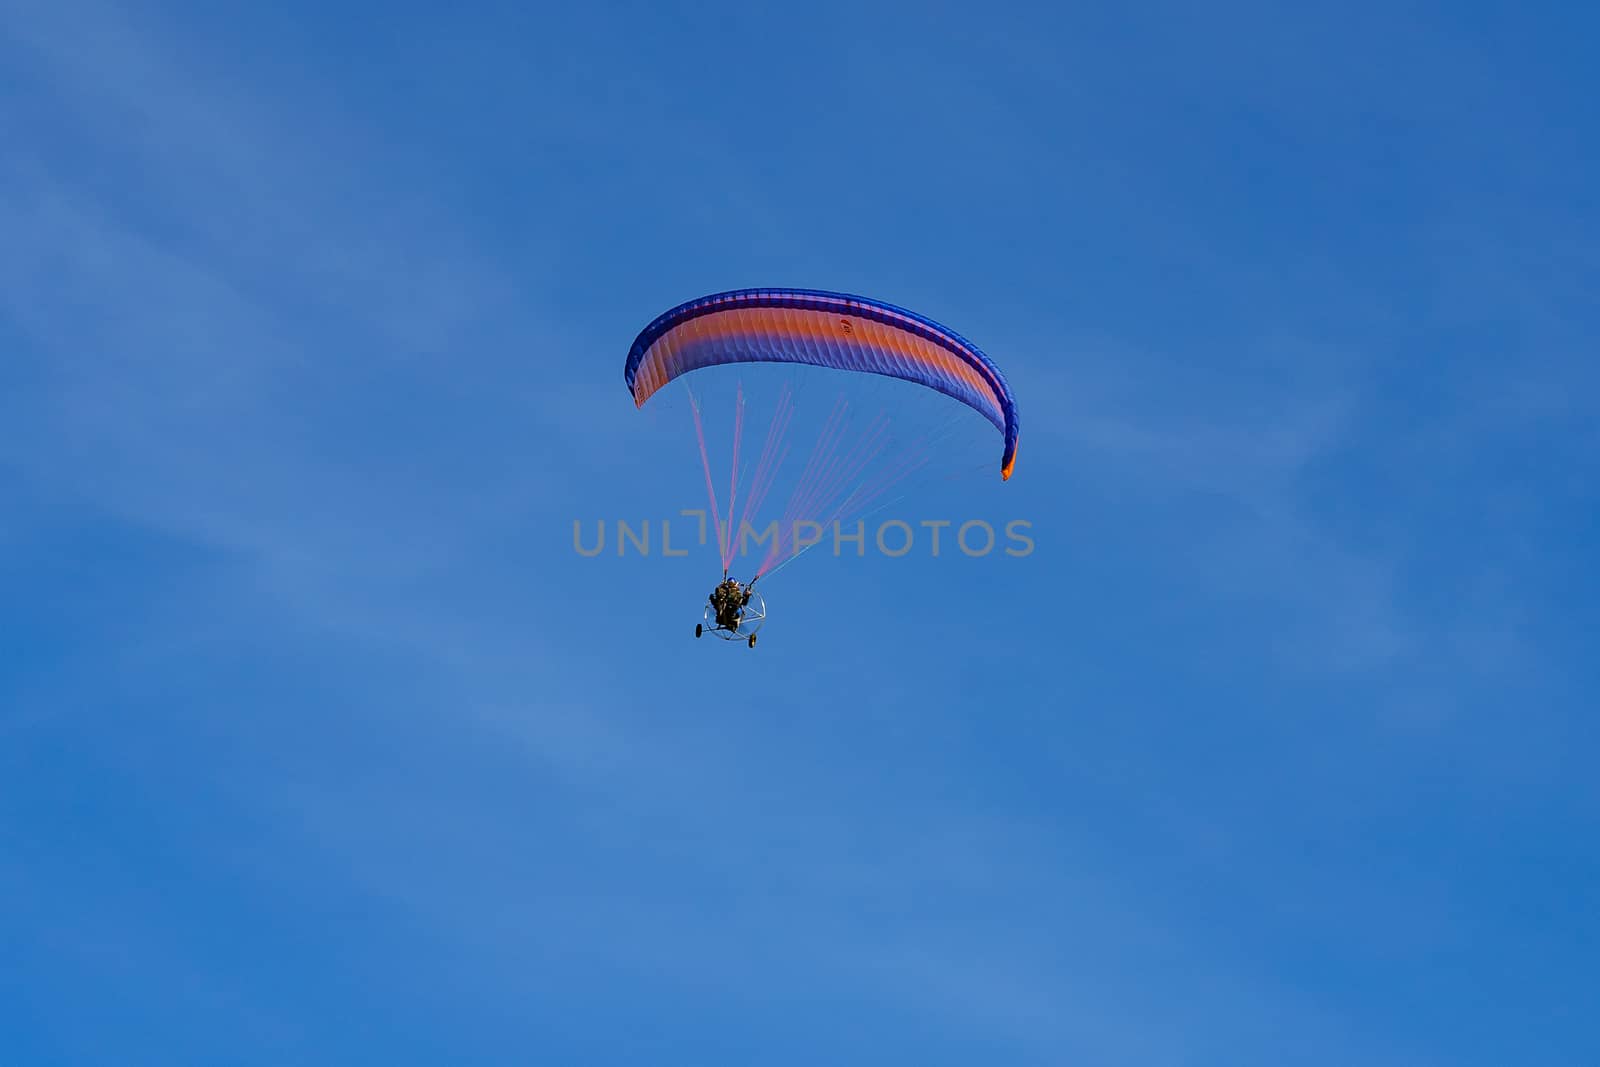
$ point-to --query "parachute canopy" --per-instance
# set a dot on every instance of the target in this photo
(823, 329)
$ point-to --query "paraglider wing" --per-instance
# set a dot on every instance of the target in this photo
(822, 329)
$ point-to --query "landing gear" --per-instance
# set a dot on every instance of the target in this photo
(699, 628)
(752, 640)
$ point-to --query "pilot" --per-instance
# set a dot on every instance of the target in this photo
(728, 600)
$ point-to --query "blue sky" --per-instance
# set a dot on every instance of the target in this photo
(312, 325)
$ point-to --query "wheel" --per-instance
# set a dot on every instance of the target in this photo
(698, 629)
(752, 640)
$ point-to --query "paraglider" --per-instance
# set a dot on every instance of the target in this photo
(822, 329)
